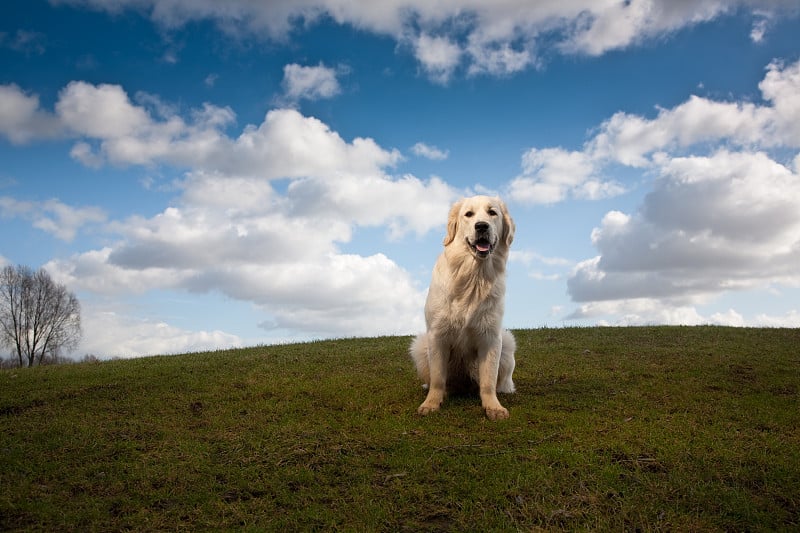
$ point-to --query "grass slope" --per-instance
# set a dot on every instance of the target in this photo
(611, 429)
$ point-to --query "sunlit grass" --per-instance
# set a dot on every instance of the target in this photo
(611, 429)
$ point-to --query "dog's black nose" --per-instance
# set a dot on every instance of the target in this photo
(481, 226)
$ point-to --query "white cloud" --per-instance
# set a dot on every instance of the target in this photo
(712, 224)
(211, 80)
(110, 127)
(429, 152)
(528, 257)
(108, 333)
(612, 25)
(634, 141)
(540, 267)
(630, 139)
(127, 133)
(647, 311)
(231, 233)
(781, 87)
(52, 216)
(789, 320)
(498, 58)
(286, 264)
(439, 56)
(22, 120)
(495, 38)
(551, 175)
(761, 24)
(100, 111)
(334, 294)
(83, 153)
(639, 312)
(404, 204)
(309, 83)
(93, 272)
(290, 145)
(723, 214)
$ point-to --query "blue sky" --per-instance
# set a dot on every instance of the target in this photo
(206, 175)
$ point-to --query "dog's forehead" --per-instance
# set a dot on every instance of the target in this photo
(478, 203)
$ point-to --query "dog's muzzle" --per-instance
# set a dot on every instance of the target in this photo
(482, 245)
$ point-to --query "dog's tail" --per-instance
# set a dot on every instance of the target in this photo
(419, 354)
(505, 383)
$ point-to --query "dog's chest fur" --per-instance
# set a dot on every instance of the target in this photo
(475, 290)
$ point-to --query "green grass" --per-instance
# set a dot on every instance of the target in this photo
(661, 428)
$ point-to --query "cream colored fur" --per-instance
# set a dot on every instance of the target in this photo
(465, 341)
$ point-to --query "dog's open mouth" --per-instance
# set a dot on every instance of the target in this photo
(482, 247)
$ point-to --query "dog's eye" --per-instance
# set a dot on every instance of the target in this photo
(492, 212)
(469, 214)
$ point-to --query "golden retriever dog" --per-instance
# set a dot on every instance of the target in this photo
(465, 344)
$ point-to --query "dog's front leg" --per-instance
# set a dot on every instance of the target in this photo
(437, 362)
(488, 365)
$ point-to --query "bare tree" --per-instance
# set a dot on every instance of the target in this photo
(38, 317)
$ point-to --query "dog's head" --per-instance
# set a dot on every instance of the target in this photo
(482, 224)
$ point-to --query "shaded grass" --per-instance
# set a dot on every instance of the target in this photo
(611, 429)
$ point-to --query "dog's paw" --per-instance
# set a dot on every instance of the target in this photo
(425, 409)
(497, 413)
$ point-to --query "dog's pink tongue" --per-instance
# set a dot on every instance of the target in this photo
(482, 247)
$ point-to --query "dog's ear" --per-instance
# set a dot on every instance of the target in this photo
(452, 223)
(508, 225)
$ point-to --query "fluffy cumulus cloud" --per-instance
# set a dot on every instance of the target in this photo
(284, 262)
(140, 137)
(716, 223)
(633, 140)
(109, 333)
(101, 111)
(112, 128)
(21, 119)
(229, 231)
(723, 214)
(551, 175)
(485, 36)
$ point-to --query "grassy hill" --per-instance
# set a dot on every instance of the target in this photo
(651, 428)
